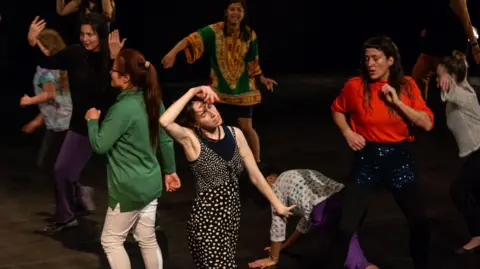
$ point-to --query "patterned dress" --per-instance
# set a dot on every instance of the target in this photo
(212, 229)
(234, 63)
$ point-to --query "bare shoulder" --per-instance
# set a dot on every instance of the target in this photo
(238, 133)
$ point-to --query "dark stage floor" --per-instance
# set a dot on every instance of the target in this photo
(296, 132)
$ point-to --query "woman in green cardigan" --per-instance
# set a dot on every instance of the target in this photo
(131, 137)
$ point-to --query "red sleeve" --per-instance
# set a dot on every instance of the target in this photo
(417, 101)
(341, 102)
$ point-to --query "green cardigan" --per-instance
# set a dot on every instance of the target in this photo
(134, 174)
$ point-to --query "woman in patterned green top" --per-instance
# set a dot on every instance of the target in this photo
(232, 48)
(131, 137)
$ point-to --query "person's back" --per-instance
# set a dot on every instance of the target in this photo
(304, 188)
(131, 158)
(56, 112)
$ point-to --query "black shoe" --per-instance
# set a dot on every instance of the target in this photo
(56, 227)
(463, 251)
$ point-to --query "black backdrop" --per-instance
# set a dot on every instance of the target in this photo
(296, 36)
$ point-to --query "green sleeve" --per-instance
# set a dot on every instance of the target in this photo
(252, 57)
(253, 52)
(166, 152)
(208, 38)
(113, 126)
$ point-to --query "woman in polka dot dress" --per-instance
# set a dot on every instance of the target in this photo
(217, 155)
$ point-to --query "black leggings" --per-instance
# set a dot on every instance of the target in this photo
(465, 192)
(375, 165)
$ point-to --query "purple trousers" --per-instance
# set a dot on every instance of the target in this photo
(72, 158)
(328, 211)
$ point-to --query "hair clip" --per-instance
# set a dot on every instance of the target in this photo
(147, 64)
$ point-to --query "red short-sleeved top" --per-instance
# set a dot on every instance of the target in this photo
(377, 124)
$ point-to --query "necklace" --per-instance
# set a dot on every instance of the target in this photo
(211, 139)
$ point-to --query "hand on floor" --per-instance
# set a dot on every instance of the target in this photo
(263, 263)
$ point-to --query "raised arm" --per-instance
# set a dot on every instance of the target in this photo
(108, 7)
(71, 7)
(461, 94)
(182, 135)
(57, 61)
(194, 46)
(460, 9)
(166, 152)
(167, 119)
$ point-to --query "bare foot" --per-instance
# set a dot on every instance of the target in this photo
(372, 266)
(474, 242)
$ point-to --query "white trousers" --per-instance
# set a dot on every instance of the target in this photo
(115, 231)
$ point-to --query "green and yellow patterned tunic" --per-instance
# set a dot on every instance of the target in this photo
(234, 63)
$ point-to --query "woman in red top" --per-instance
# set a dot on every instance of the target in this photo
(380, 104)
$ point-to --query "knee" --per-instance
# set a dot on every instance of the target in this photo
(146, 238)
(111, 242)
(61, 170)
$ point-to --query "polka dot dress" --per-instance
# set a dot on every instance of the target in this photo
(212, 229)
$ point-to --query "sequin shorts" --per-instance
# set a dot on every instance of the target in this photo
(387, 164)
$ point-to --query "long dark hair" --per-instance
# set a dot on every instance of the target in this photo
(100, 27)
(143, 75)
(244, 30)
(396, 77)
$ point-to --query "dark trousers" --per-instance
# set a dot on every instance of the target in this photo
(49, 149)
(465, 192)
(376, 165)
(73, 157)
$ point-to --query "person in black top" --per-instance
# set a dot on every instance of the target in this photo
(88, 65)
(84, 7)
(447, 28)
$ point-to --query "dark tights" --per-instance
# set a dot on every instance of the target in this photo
(355, 205)
(465, 192)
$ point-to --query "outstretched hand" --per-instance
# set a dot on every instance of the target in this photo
(169, 60)
(25, 100)
(36, 27)
(284, 211)
(263, 263)
(269, 83)
(114, 43)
